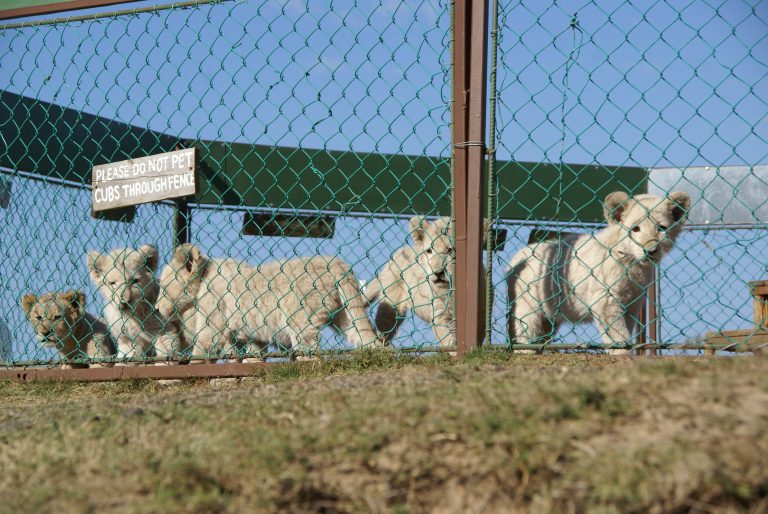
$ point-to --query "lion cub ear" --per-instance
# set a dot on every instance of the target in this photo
(189, 256)
(680, 204)
(76, 301)
(614, 206)
(151, 256)
(27, 302)
(417, 226)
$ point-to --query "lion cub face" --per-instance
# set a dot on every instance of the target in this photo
(54, 315)
(435, 251)
(180, 280)
(126, 277)
(649, 224)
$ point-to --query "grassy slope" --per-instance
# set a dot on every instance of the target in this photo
(531, 433)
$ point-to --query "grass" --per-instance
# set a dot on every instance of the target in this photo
(378, 433)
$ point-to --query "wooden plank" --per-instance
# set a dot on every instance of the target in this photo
(142, 190)
(735, 333)
(134, 372)
(760, 309)
(747, 336)
(144, 179)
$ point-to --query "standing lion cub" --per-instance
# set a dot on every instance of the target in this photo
(418, 277)
(602, 276)
(60, 321)
(230, 302)
(126, 280)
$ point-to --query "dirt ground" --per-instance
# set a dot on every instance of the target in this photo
(379, 433)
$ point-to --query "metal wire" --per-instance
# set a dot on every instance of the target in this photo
(622, 84)
(299, 113)
(325, 130)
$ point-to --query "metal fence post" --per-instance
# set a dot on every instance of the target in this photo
(470, 67)
(182, 222)
(182, 216)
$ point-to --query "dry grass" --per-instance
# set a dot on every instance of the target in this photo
(496, 433)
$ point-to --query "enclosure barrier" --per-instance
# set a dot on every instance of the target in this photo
(250, 182)
(670, 89)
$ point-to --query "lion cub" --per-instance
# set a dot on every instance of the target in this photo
(126, 279)
(60, 321)
(602, 276)
(418, 277)
(286, 301)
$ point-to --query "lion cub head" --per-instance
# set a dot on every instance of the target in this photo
(53, 315)
(180, 280)
(126, 277)
(434, 248)
(647, 225)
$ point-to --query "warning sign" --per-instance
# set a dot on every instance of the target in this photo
(144, 180)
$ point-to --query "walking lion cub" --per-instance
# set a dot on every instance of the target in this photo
(60, 321)
(601, 276)
(418, 277)
(230, 302)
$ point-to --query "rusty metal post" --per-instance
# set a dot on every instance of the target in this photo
(470, 70)
(459, 136)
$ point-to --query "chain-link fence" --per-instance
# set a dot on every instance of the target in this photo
(654, 99)
(323, 137)
(321, 130)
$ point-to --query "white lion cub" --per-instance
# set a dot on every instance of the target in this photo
(418, 277)
(286, 301)
(601, 276)
(126, 279)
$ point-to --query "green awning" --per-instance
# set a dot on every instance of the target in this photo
(54, 142)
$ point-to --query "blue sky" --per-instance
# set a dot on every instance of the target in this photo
(649, 84)
(622, 83)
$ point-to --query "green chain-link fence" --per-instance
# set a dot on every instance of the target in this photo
(661, 98)
(329, 115)
(337, 116)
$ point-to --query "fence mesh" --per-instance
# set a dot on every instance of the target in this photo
(339, 112)
(297, 111)
(671, 89)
